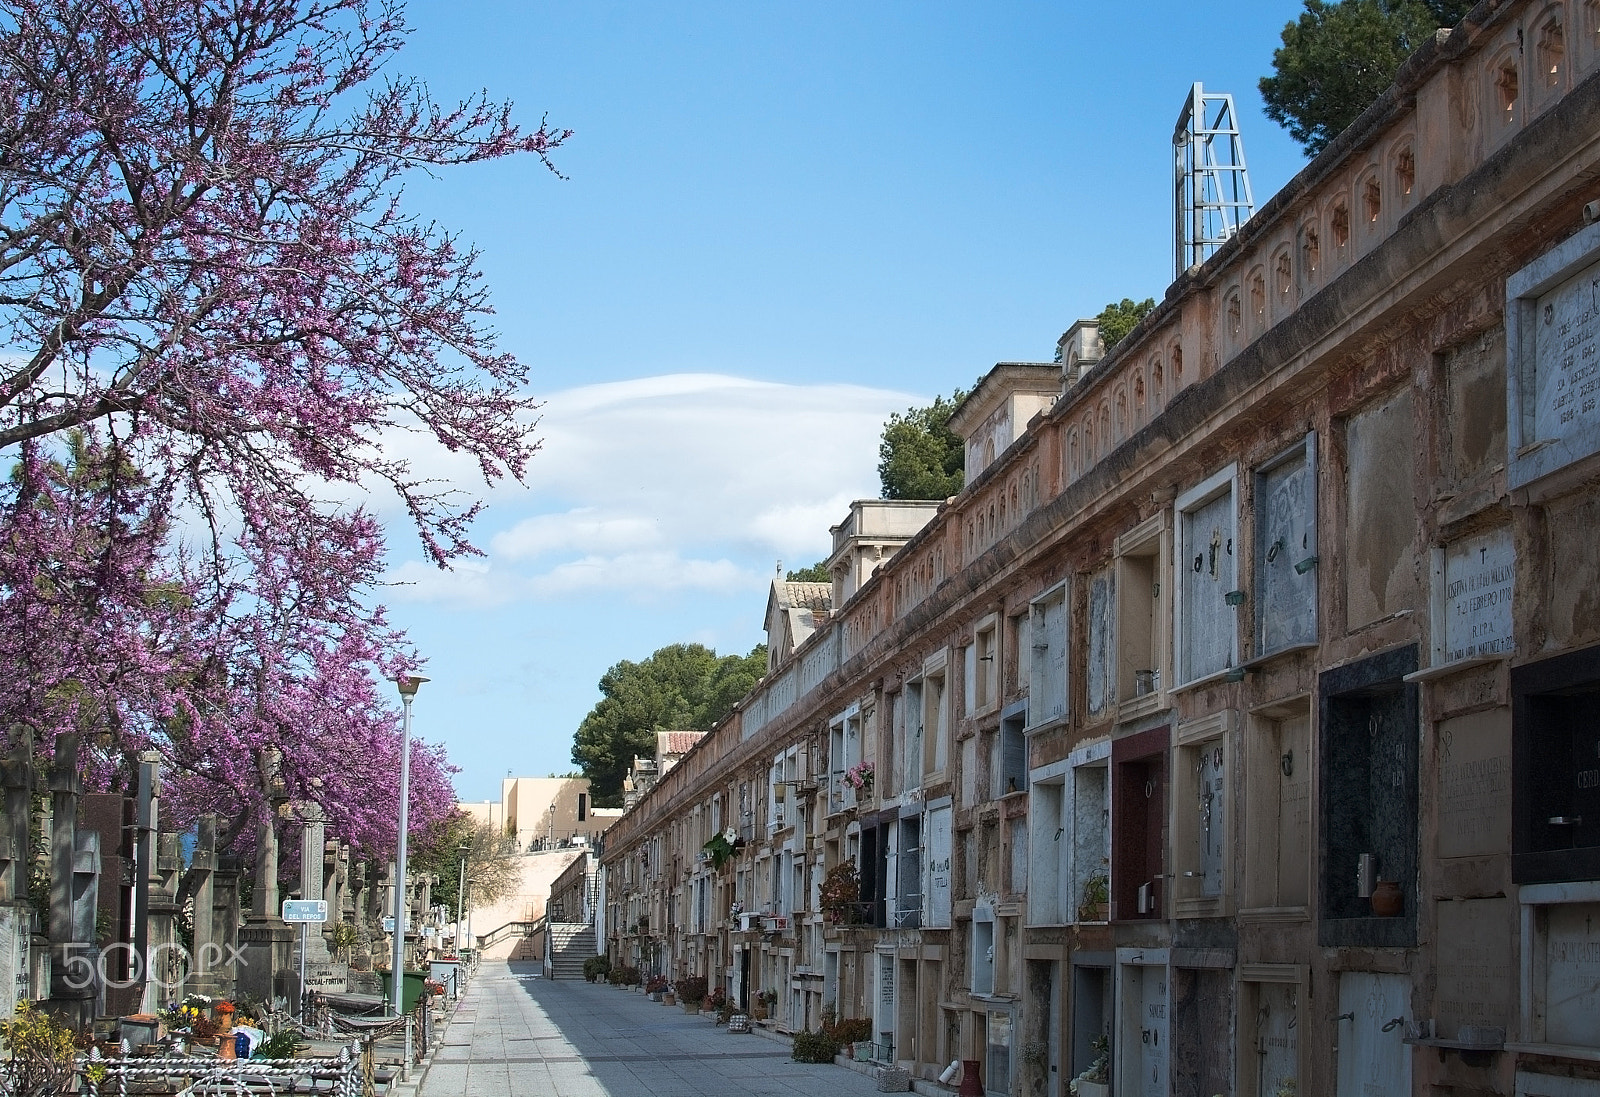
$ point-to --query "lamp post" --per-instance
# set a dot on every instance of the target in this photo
(408, 684)
(461, 899)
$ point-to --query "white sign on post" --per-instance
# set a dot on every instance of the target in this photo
(305, 910)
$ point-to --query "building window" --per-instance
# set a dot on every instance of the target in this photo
(1505, 86)
(1207, 633)
(1339, 223)
(1234, 315)
(1372, 200)
(1283, 274)
(1286, 550)
(1048, 657)
(1552, 52)
(1369, 733)
(1405, 171)
(1310, 251)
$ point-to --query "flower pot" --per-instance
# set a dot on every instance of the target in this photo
(1387, 899)
(1093, 1089)
(669, 999)
(971, 1083)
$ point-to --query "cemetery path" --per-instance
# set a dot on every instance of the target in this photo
(517, 1033)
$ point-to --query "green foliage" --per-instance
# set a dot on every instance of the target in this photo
(596, 967)
(919, 457)
(720, 849)
(814, 1047)
(681, 687)
(1118, 318)
(849, 1030)
(1338, 58)
(280, 1045)
(494, 864)
(816, 573)
(41, 1053)
(691, 990)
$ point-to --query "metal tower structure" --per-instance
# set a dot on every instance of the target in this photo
(1211, 194)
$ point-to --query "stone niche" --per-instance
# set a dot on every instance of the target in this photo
(1369, 720)
(1556, 769)
(1553, 360)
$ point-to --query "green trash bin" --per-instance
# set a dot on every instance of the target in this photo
(412, 986)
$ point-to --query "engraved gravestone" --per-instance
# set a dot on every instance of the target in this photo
(1474, 966)
(1478, 585)
(1572, 980)
(1474, 784)
(1553, 359)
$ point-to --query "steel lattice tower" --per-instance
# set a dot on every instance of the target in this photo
(1211, 194)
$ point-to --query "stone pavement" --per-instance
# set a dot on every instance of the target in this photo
(516, 1033)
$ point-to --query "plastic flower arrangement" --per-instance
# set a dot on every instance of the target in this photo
(859, 777)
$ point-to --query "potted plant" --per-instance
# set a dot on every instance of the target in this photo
(1096, 902)
(840, 891)
(1093, 1082)
(859, 777)
(656, 987)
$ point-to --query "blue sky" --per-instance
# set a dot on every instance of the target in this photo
(780, 222)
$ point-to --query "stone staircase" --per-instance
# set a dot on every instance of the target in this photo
(571, 943)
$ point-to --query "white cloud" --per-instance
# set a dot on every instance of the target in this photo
(581, 529)
(665, 484)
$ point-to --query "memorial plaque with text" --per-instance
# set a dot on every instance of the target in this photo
(1572, 975)
(1475, 784)
(1479, 577)
(1475, 976)
(1553, 359)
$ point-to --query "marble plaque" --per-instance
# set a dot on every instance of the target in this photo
(1553, 359)
(1474, 972)
(1566, 356)
(1479, 577)
(1475, 784)
(1572, 974)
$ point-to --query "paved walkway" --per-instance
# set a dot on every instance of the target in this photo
(516, 1033)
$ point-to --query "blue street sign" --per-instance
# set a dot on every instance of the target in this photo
(305, 910)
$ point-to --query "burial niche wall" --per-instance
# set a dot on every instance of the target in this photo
(1369, 726)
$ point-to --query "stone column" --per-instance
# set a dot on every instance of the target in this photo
(225, 923)
(73, 983)
(266, 940)
(16, 912)
(321, 973)
(205, 955)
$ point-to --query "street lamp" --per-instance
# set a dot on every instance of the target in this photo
(461, 898)
(408, 684)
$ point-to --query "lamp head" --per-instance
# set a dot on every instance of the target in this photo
(409, 684)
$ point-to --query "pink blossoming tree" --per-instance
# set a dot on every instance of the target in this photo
(212, 307)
